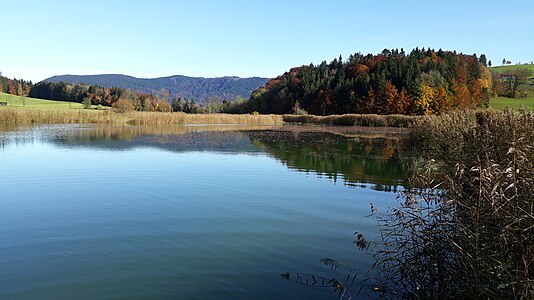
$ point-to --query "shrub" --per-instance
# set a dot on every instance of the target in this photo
(297, 110)
(123, 105)
(86, 102)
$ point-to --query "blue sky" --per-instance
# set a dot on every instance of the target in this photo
(242, 38)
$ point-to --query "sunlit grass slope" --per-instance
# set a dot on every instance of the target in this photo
(514, 67)
(27, 102)
(514, 103)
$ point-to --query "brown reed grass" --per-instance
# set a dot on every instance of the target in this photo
(355, 120)
(14, 116)
(480, 192)
(145, 118)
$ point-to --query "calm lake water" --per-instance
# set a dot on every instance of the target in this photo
(183, 212)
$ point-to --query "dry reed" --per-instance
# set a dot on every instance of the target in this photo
(13, 116)
(145, 118)
(355, 120)
(478, 184)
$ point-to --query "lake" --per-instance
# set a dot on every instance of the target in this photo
(184, 212)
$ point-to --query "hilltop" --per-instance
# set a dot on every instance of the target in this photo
(198, 88)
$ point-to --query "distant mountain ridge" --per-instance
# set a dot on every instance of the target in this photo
(198, 88)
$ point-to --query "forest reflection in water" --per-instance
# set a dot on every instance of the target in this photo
(167, 212)
(357, 157)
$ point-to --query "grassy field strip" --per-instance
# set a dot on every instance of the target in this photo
(27, 102)
(514, 67)
(502, 103)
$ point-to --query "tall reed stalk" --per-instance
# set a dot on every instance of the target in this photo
(474, 235)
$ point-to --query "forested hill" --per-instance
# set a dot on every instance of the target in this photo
(201, 89)
(392, 82)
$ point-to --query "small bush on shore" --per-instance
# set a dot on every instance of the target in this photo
(123, 105)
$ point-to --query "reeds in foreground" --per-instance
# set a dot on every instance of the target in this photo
(466, 229)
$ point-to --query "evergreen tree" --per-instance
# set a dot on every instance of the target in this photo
(482, 60)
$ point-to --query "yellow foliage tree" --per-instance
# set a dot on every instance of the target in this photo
(423, 105)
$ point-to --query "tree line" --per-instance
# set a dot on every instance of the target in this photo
(511, 83)
(15, 87)
(95, 95)
(392, 82)
(119, 98)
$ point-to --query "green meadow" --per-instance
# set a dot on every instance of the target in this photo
(27, 102)
(514, 67)
(513, 103)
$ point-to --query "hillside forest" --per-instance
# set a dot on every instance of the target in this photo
(421, 82)
(392, 82)
(177, 86)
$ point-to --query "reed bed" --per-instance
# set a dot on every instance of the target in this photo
(146, 118)
(469, 232)
(355, 120)
(13, 116)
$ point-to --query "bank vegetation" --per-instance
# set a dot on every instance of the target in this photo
(16, 116)
(466, 227)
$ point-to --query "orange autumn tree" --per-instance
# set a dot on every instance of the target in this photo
(396, 103)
